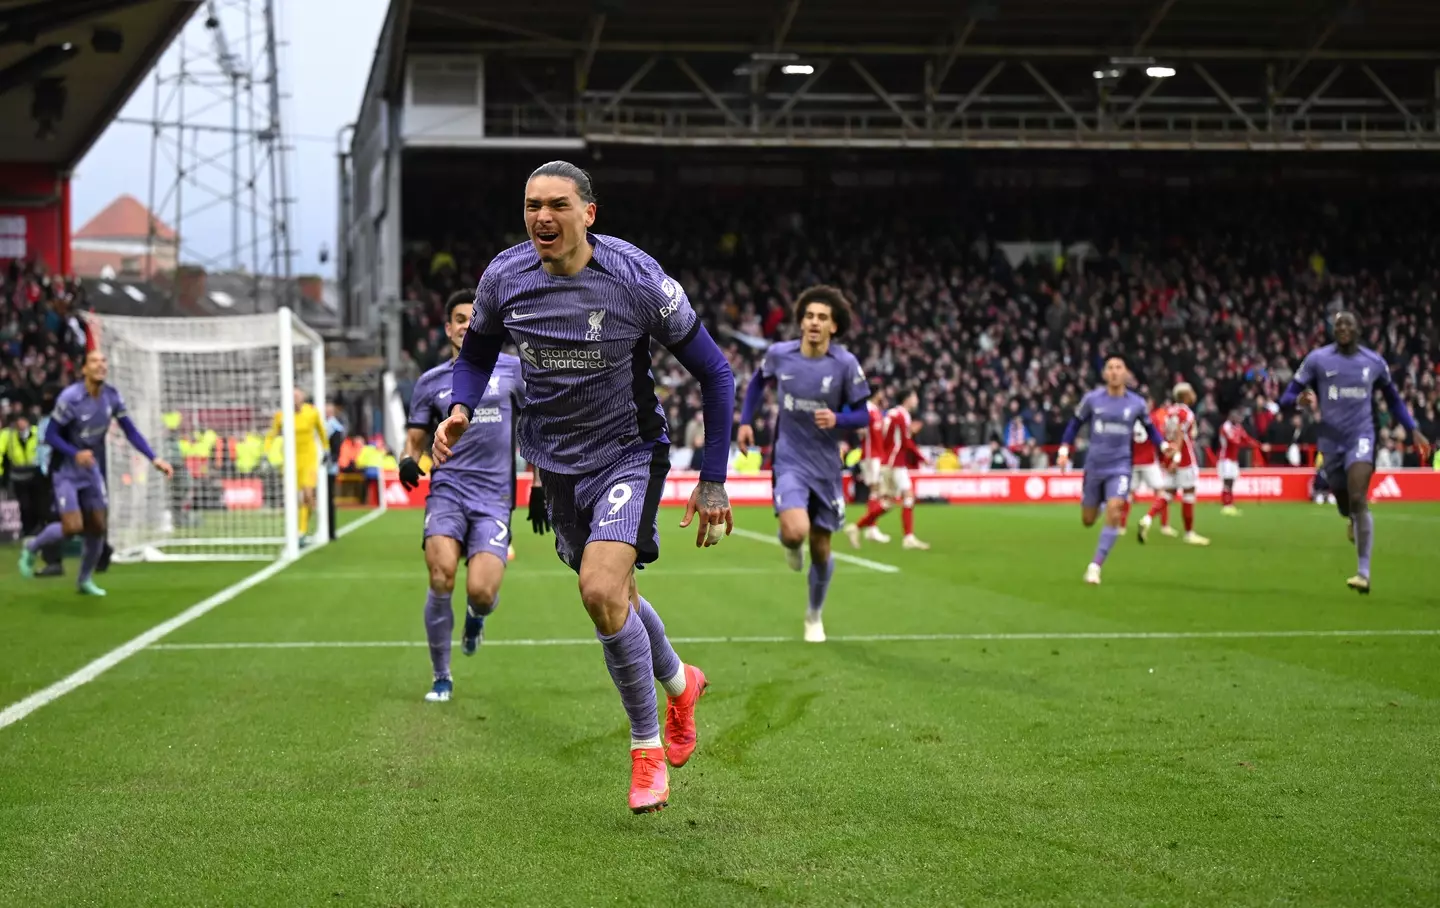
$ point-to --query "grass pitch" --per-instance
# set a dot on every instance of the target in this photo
(1209, 727)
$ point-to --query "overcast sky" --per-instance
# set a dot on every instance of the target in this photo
(323, 69)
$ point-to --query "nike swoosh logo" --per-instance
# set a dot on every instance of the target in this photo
(784, 377)
(1332, 374)
(443, 394)
(521, 316)
(606, 523)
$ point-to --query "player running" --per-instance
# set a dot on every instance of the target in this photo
(309, 439)
(899, 455)
(1177, 423)
(1344, 376)
(582, 308)
(76, 436)
(1112, 412)
(872, 464)
(821, 387)
(467, 511)
(1233, 440)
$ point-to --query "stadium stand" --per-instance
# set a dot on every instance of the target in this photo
(1002, 337)
(42, 334)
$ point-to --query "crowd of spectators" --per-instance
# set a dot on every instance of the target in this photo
(42, 344)
(1001, 338)
(42, 338)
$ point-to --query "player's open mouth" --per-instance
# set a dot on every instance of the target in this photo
(545, 238)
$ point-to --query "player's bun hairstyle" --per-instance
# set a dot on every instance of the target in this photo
(841, 312)
(568, 171)
(458, 298)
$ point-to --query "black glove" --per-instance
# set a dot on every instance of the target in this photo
(410, 473)
(539, 517)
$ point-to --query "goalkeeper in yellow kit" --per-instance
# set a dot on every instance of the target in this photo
(309, 436)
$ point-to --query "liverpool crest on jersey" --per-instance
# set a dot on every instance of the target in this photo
(597, 318)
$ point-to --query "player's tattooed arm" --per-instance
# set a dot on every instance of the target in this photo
(711, 503)
(713, 496)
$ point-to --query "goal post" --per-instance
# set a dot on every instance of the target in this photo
(205, 392)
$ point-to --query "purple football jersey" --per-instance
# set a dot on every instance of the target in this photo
(584, 345)
(84, 421)
(483, 462)
(803, 385)
(1112, 422)
(1345, 386)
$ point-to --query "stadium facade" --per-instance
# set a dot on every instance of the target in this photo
(579, 78)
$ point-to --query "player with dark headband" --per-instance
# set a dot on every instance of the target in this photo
(583, 309)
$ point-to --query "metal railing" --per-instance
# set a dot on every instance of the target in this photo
(689, 124)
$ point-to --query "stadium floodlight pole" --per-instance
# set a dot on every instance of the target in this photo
(287, 416)
(215, 131)
(343, 223)
(280, 183)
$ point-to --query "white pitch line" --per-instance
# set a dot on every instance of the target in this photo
(22, 708)
(856, 638)
(838, 556)
(521, 572)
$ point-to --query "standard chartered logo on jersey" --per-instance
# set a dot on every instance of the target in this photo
(804, 405)
(571, 358)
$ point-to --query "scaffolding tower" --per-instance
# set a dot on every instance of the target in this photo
(218, 149)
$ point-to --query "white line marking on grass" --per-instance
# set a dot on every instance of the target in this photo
(514, 573)
(856, 638)
(22, 708)
(838, 556)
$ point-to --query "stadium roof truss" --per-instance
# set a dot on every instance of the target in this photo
(1177, 74)
(66, 68)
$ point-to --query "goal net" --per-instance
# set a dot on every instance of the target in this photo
(205, 393)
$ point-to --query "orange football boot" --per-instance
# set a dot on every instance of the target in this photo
(680, 718)
(649, 781)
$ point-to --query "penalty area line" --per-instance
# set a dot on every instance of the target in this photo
(853, 638)
(22, 708)
(838, 556)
